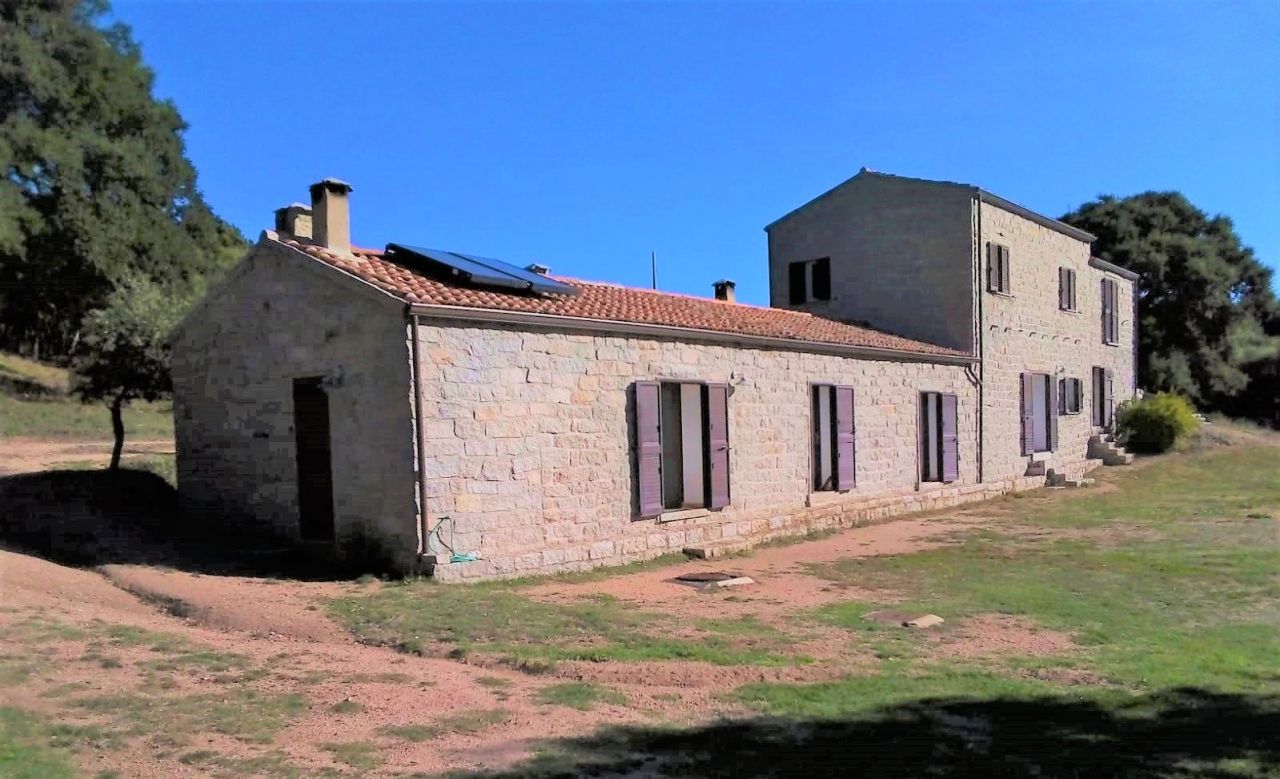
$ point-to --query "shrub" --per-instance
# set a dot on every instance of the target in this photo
(1155, 423)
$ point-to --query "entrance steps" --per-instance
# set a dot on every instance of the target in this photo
(1105, 447)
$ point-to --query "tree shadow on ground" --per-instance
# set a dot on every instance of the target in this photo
(1184, 732)
(90, 518)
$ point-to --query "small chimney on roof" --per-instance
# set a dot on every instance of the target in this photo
(725, 290)
(294, 219)
(331, 214)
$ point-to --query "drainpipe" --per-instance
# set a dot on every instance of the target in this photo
(980, 289)
(419, 437)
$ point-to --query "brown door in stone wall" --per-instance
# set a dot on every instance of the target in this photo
(315, 471)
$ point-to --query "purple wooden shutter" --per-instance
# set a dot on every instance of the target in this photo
(923, 455)
(1108, 398)
(1028, 417)
(1005, 284)
(950, 440)
(717, 445)
(1107, 304)
(1062, 288)
(1053, 401)
(648, 448)
(992, 271)
(1071, 296)
(844, 439)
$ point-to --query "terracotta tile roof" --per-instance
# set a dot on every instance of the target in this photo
(609, 302)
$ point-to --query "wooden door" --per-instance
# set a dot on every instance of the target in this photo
(315, 460)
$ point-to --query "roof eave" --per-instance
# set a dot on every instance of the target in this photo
(1123, 273)
(1040, 219)
(611, 326)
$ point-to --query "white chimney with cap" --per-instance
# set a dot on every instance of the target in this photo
(725, 290)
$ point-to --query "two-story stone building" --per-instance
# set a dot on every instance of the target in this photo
(464, 416)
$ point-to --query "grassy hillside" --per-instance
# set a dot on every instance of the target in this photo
(35, 402)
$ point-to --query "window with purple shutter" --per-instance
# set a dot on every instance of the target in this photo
(1026, 396)
(998, 271)
(939, 438)
(845, 448)
(1108, 398)
(950, 439)
(1051, 412)
(1110, 313)
(648, 448)
(717, 445)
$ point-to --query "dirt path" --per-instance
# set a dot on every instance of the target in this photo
(31, 455)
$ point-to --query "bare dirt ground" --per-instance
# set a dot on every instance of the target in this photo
(31, 455)
(186, 672)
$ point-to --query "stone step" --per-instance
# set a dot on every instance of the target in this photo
(713, 549)
(1036, 468)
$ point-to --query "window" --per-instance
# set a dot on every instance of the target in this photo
(682, 446)
(833, 438)
(1039, 420)
(1067, 289)
(939, 443)
(1110, 313)
(998, 269)
(1103, 397)
(1071, 396)
(810, 280)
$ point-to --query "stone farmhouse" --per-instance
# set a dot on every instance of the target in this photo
(927, 344)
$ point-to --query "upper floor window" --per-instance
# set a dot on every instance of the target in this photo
(682, 446)
(833, 438)
(1110, 313)
(998, 269)
(810, 280)
(1067, 289)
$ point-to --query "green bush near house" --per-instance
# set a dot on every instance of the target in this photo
(1156, 422)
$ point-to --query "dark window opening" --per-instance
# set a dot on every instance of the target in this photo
(809, 281)
(1103, 397)
(998, 270)
(1110, 313)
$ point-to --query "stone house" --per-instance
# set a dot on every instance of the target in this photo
(466, 418)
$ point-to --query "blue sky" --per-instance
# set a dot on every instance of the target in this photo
(585, 136)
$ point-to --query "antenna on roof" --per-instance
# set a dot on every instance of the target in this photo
(653, 266)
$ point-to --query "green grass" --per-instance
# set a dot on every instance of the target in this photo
(69, 418)
(1171, 581)
(423, 617)
(240, 713)
(583, 696)
(473, 721)
(28, 748)
(414, 733)
(35, 402)
(357, 754)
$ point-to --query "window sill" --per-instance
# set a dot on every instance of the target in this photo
(675, 515)
(1109, 343)
(827, 497)
(1073, 311)
(1000, 294)
(935, 486)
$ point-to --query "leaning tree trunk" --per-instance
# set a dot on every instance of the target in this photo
(117, 427)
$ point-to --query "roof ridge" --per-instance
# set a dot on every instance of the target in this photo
(681, 295)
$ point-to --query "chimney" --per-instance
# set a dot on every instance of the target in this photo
(294, 219)
(725, 290)
(331, 215)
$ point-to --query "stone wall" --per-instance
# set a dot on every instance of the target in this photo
(900, 254)
(279, 317)
(528, 444)
(1025, 331)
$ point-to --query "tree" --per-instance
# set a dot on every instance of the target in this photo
(1204, 300)
(125, 351)
(94, 185)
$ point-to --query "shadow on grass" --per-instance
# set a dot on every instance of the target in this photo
(1185, 732)
(89, 518)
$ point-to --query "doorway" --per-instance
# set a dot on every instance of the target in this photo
(315, 461)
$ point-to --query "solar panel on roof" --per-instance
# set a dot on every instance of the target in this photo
(482, 270)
